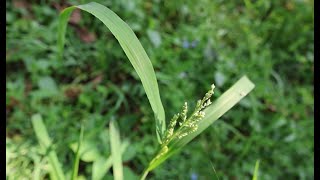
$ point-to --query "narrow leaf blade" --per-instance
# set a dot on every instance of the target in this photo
(256, 170)
(62, 28)
(77, 156)
(132, 48)
(116, 154)
(102, 165)
(45, 143)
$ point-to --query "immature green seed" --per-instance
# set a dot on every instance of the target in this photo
(171, 126)
(206, 103)
(184, 112)
(182, 135)
(193, 129)
(206, 100)
(198, 106)
(200, 115)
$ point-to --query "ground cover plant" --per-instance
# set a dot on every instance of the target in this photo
(208, 41)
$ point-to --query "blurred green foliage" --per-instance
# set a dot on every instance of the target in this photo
(191, 45)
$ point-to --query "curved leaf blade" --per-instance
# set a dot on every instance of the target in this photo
(256, 171)
(77, 156)
(115, 153)
(46, 144)
(132, 48)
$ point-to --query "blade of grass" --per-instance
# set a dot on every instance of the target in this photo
(77, 156)
(116, 155)
(214, 170)
(132, 48)
(256, 170)
(102, 166)
(220, 106)
(45, 144)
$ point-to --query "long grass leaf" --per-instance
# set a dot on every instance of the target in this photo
(46, 144)
(220, 106)
(132, 48)
(102, 165)
(256, 170)
(77, 156)
(116, 154)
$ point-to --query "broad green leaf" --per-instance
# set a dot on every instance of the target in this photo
(132, 48)
(45, 143)
(47, 88)
(220, 106)
(256, 170)
(129, 153)
(100, 167)
(48, 84)
(116, 154)
(88, 150)
(77, 157)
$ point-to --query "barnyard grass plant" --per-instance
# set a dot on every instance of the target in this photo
(183, 126)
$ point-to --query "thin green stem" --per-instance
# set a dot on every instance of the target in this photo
(144, 175)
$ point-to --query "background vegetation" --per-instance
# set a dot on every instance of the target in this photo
(191, 45)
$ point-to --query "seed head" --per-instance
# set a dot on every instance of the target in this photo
(188, 125)
(171, 127)
(184, 112)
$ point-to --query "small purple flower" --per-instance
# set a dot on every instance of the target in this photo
(194, 176)
(185, 44)
(194, 43)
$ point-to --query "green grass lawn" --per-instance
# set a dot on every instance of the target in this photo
(191, 44)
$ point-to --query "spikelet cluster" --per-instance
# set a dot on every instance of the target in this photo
(170, 129)
(187, 125)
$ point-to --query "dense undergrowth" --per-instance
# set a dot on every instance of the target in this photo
(190, 45)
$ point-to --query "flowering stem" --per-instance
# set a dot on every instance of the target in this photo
(183, 130)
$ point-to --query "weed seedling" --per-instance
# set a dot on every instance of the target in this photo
(183, 126)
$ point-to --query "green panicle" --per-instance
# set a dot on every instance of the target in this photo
(187, 125)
